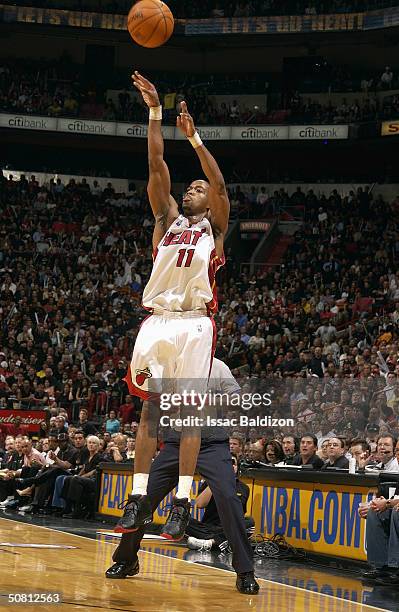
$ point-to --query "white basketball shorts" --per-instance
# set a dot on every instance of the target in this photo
(172, 349)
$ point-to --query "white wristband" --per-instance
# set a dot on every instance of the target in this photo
(156, 112)
(195, 140)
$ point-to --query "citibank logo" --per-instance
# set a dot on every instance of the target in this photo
(314, 132)
(210, 133)
(261, 134)
(137, 130)
(28, 122)
(86, 128)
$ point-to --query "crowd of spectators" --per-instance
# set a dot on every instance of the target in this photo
(319, 331)
(222, 8)
(63, 89)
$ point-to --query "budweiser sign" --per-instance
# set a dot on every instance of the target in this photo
(30, 418)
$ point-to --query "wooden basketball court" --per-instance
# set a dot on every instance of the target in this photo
(164, 584)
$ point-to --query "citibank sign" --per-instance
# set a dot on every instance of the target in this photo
(249, 133)
(318, 132)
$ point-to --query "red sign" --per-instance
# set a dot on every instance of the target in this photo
(30, 419)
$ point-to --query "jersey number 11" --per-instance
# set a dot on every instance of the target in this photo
(187, 255)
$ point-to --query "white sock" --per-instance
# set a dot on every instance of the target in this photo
(184, 487)
(140, 482)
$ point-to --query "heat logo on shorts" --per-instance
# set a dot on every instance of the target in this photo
(142, 375)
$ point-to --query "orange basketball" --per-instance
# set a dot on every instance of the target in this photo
(150, 23)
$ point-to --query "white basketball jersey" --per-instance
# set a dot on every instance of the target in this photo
(183, 274)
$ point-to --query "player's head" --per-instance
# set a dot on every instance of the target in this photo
(195, 199)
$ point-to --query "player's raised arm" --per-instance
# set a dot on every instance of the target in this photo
(218, 199)
(162, 203)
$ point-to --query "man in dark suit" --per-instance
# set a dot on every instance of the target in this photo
(307, 453)
(335, 454)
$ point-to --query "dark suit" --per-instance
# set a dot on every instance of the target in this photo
(214, 464)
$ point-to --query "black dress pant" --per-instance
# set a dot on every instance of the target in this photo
(44, 484)
(214, 464)
(78, 489)
(8, 487)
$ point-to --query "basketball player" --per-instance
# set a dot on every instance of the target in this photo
(176, 343)
(215, 465)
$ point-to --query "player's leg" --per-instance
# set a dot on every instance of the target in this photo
(163, 478)
(142, 379)
(195, 342)
(179, 515)
(146, 446)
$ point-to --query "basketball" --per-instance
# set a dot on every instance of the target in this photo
(150, 23)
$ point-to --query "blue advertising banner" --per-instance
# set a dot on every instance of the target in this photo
(283, 24)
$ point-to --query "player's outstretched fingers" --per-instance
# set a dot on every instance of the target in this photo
(143, 80)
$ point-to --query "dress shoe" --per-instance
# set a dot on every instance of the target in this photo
(44, 511)
(71, 515)
(122, 570)
(247, 584)
(58, 511)
(376, 573)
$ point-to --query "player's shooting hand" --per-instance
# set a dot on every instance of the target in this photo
(147, 89)
(185, 122)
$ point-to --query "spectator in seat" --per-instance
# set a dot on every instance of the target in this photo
(78, 491)
(237, 446)
(60, 423)
(32, 462)
(62, 460)
(81, 458)
(7, 454)
(273, 452)
(335, 455)
(385, 453)
(116, 449)
(127, 411)
(130, 448)
(14, 463)
(307, 453)
(322, 452)
(290, 449)
(85, 425)
(382, 539)
(318, 363)
(112, 424)
(256, 452)
(360, 450)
